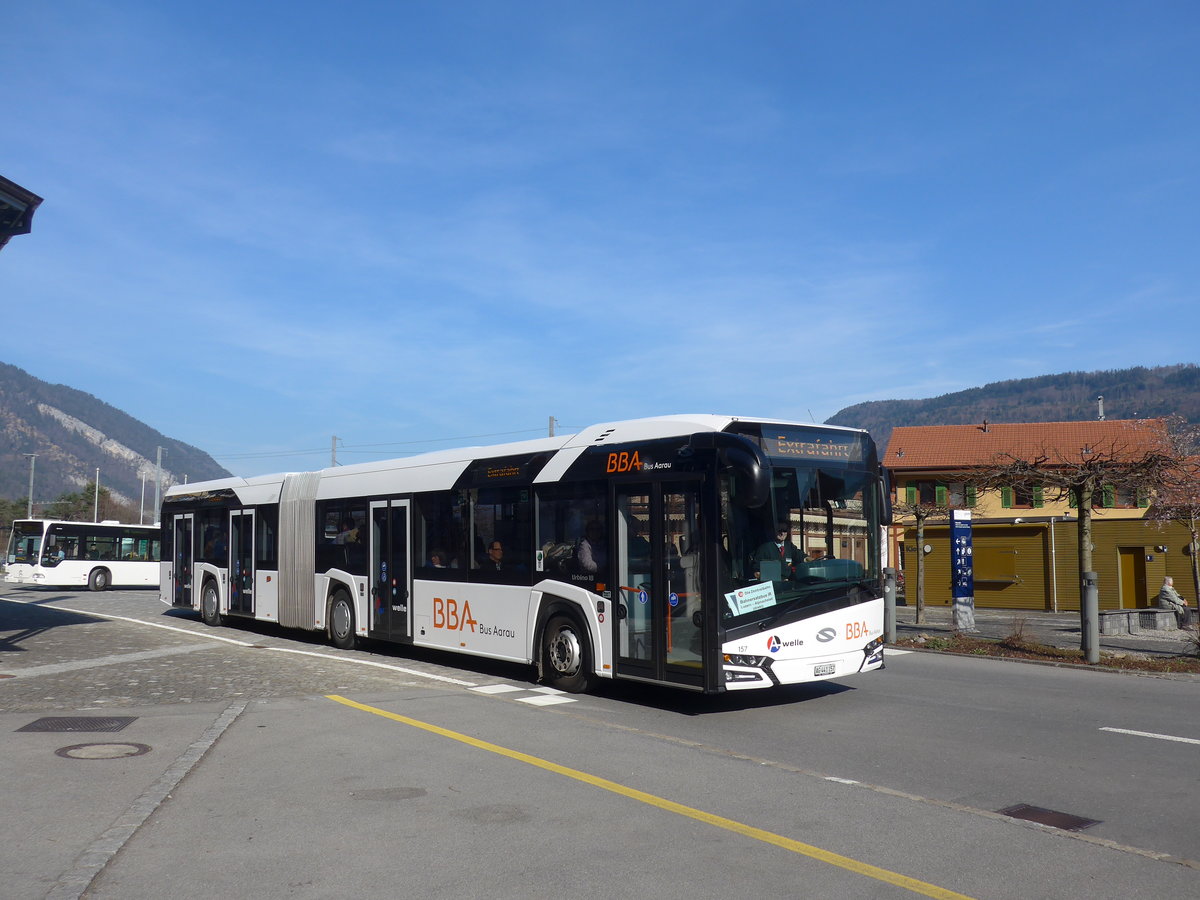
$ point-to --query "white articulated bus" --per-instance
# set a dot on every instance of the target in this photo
(638, 550)
(96, 555)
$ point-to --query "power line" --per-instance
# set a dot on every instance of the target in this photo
(374, 448)
(272, 454)
(465, 437)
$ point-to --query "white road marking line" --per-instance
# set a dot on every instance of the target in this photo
(543, 700)
(497, 689)
(216, 637)
(115, 659)
(1151, 734)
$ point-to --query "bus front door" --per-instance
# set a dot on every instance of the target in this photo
(241, 562)
(181, 567)
(659, 619)
(391, 574)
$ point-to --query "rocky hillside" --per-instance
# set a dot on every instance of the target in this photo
(73, 434)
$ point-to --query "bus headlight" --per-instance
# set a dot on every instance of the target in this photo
(751, 662)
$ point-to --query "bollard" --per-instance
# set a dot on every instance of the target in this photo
(889, 606)
(1090, 617)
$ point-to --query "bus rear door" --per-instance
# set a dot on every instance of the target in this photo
(241, 562)
(181, 569)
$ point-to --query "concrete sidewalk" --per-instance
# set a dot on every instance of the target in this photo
(1052, 629)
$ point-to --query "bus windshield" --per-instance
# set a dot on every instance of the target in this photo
(25, 543)
(814, 542)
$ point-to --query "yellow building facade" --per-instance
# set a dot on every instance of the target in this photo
(1025, 540)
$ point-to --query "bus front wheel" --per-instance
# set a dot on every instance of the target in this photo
(341, 622)
(210, 605)
(98, 580)
(565, 655)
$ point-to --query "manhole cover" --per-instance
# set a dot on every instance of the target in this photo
(61, 724)
(101, 751)
(1051, 817)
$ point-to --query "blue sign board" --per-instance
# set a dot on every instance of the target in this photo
(962, 571)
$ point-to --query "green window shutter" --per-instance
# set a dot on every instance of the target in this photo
(1110, 496)
(940, 494)
(910, 494)
(1072, 499)
(1143, 499)
(1038, 498)
(972, 496)
(1006, 497)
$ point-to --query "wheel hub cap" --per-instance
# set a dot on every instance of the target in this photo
(564, 652)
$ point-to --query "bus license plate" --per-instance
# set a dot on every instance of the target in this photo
(824, 668)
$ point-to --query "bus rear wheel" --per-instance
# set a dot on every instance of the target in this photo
(210, 605)
(99, 580)
(341, 622)
(565, 655)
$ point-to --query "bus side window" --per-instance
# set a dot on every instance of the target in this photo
(572, 532)
(500, 517)
(438, 529)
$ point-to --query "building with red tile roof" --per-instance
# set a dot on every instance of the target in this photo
(1025, 537)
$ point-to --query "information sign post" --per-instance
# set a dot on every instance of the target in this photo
(962, 573)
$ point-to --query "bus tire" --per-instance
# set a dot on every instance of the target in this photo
(566, 655)
(210, 605)
(99, 580)
(341, 621)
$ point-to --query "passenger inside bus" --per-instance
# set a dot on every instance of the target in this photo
(591, 554)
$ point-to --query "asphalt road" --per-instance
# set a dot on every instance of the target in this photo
(258, 762)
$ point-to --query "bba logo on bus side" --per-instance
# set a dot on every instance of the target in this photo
(449, 616)
(624, 462)
(446, 614)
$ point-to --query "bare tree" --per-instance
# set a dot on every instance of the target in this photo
(1178, 497)
(921, 513)
(1138, 456)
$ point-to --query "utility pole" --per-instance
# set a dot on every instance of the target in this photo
(32, 457)
(553, 422)
(142, 504)
(96, 504)
(333, 451)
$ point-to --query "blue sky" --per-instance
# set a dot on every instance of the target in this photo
(268, 223)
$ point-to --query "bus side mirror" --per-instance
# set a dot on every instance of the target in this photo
(750, 473)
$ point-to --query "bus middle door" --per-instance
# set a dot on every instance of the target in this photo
(391, 574)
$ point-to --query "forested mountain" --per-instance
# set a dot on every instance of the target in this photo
(73, 434)
(1128, 394)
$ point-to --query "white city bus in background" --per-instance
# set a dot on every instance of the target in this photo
(96, 555)
(632, 550)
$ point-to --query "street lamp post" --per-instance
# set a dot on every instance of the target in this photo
(32, 457)
(158, 481)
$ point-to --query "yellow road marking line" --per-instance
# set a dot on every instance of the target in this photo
(758, 834)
